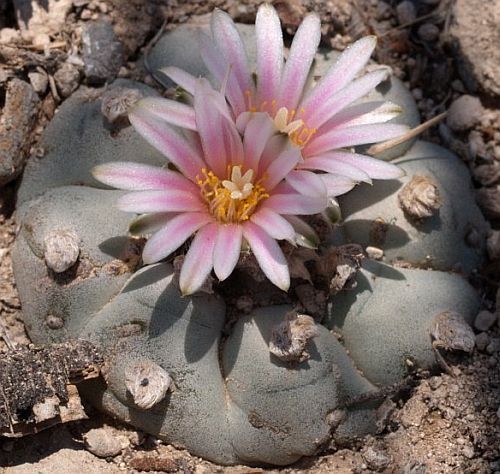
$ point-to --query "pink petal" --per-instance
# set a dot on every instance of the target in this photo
(176, 148)
(295, 204)
(257, 133)
(306, 182)
(363, 114)
(275, 225)
(337, 185)
(353, 136)
(219, 68)
(170, 111)
(280, 167)
(149, 223)
(229, 42)
(305, 235)
(269, 53)
(160, 201)
(199, 260)
(219, 136)
(299, 61)
(276, 145)
(352, 60)
(373, 167)
(268, 254)
(242, 121)
(317, 114)
(138, 177)
(179, 76)
(173, 235)
(227, 249)
(328, 163)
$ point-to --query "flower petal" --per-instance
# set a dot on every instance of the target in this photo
(274, 224)
(269, 53)
(373, 167)
(296, 204)
(171, 236)
(175, 147)
(220, 138)
(329, 164)
(337, 185)
(227, 249)
(299, 61)
(276, 145)
(315, 115)
(353, 136)
(229, 42)
(179, 76)
(199, 260)
(160, 201)
(258, 131)
(170, 111)
(363, 114)
(305, 235)
(138, 177)
(219, 68)
(350, 62)
(306, 182)
(268, 254)
(280, 167)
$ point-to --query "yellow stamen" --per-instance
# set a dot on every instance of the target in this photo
(234, 199)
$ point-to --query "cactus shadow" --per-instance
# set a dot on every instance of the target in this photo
(385, 236)
(115, 246)
(367, 195)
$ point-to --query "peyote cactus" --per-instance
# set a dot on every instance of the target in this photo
(197, 370)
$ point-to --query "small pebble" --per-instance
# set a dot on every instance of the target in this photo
(9, 36)
(38, 81)
(484, 320)
(468, 452)
(464, 113)
(482, 340)
(375, 459)
(406, 12)
(374, 253)
(103, 442)
(67, 79)
(493, 346)
(428, 32)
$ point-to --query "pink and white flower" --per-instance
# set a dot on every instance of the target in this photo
(224, 188)
(321, 121)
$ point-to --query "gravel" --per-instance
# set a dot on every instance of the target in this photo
(464, 113)
(484, 320)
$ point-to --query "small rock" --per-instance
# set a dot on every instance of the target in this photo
(374, 253)
(428, 32)
(482, 340)
(61, 249)
(9, 36)
(67, 79)
(484, 320)
(489, 201)
(54, 322)
(413, 412)
(375, 459)
(493, 346)
(102, 52)
(493, 246)
(103, 442)
(17, 122)
(47, 409)
(41, 40)
(468, 452)
(39, 81)
(406, 12)
(464, 113)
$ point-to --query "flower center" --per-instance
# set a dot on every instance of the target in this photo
(286, 121)
(234, 199)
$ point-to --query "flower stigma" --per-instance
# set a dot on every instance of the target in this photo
(231, 200)
(286, 121)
